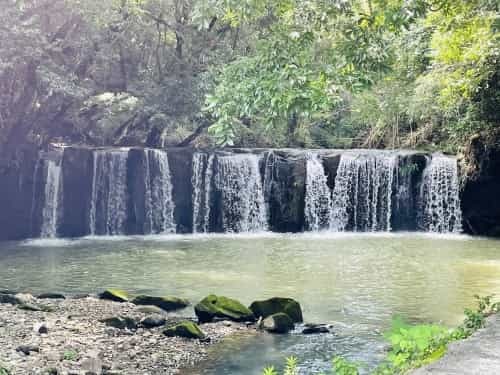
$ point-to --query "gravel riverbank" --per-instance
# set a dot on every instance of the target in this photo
(69, 338)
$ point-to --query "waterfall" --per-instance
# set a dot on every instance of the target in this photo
(318, 199)
(439, 196)
(159, 203)
(362, 197)
(202, 185)
(108, 209)
(52, 197)
(239, 182)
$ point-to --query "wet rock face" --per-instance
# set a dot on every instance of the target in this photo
(77, 191)
(16, 194)
(481, 185)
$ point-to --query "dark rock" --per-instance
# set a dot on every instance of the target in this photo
(120, 322)
(185, 329)
(480, 169)
(27, 349)
(41, 328)
(80, 296)
(9, 298)
(7, 291)
(153, 321)
(181, 165)
(278, 305)
(51, 296)
(278, 323)
(77, 173)
(311, 329)
(115, 295)
(166, 303)
(212, 307)
(51, 371)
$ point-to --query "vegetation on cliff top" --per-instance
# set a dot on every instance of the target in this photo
(373, 73)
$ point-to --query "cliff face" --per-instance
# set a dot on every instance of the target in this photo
(480, 185)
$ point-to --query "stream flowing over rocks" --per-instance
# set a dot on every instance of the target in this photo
(70, 337)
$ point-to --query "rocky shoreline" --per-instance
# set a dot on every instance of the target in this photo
(72, 336)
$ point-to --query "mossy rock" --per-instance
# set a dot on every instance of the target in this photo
(278, 323)
(115, 295)
(165, 303)
(213, 306)
(278, 305)
(185, 329)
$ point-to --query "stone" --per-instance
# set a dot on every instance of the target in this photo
(115, 295)
(278, 323)
(278, 305)
(166, 303)
(310, 329)
(51, 296)
(212, 307)
(28, 349)
(9, 298)
(51, 371)
(41, 328)
(153, 321)
(120, 322)
(149, 310)
(186, 329)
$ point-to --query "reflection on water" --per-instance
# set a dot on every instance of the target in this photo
(357, 282)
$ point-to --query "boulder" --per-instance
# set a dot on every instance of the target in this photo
(185, 329)
(153, 321)
(166, 303)
(41, 328)
(311, 329)
(120, 322)
(51, 296)
(9, 298)
(115, 295)
(278, 305)
(212, 307)
(149, 310)
(278, 323)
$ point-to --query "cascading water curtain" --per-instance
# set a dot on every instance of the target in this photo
(318, 199)
(239, 182)
(440, 209)
(52, 196)
(108, 209)
(202, 186)
(363, 193)
(159, 202)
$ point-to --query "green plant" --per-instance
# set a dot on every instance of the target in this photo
(4, 371)
(341, 366)
(290, 368)
(70, 355)
(475, 319)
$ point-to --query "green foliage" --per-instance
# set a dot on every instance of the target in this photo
(290, 368)
(342, 366)
(4, 371)
(475, 319)
(70, 355)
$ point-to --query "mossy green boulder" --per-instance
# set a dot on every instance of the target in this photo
(165, 303)
(185, 329)
(212, 307)
(278, 305)
(278, 323)
(115, 295)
